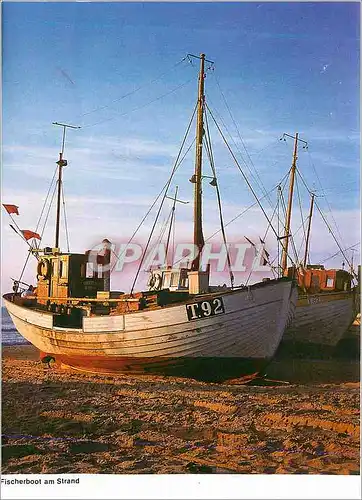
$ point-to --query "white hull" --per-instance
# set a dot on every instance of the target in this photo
(250, 329)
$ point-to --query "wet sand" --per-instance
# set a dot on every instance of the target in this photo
(57, 421)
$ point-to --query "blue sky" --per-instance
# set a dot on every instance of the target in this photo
(282, 67)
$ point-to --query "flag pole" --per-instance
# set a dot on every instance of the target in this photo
(19, 231)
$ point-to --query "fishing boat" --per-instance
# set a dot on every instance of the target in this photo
(327, 300)
(180, 326)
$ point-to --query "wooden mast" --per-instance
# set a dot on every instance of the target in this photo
(289, 209)
(61, 163)
(308, 230)
(198, 234)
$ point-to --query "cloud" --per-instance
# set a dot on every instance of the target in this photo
(128, 159)
(91, 218)
(110, 184)
(130, 146)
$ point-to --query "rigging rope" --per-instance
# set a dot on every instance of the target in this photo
(246, 209)
(238, 149)
(142, 106)
(173, 234)
(22, 272)
(241, 139)
(46, 199)
(328, 226)
(280, 202)
(335, 239)
(50, 205)
(335, 254)
(264, 237)
(154, 202)
(163, 229)
(297, 231)
(65, 219)
(290, 235)
(212, 164)
(100, 108)
(301, 211)
(324, 194)
(272, 144)
(167, 185)
(38, 223)
(243, 174)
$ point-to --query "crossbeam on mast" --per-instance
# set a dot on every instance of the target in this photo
(200, 57)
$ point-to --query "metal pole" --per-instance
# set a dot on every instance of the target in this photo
(308, 230)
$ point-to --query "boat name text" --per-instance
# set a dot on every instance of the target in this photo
(205, 308)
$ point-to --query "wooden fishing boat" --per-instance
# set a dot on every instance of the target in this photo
(188, 329)
(327, 301)
(322, 317)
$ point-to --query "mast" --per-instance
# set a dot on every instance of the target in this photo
(289, 209)
(61, 163)
(198, 234)
(284, 264)
(308, 229)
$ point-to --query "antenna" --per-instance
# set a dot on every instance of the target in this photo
(61, 163)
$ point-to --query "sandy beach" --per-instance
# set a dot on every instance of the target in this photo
(303, 419)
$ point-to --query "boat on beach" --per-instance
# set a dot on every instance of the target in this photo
(327, 300)
(180, 326)
(322, 315)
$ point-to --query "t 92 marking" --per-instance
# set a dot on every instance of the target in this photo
(205, 308)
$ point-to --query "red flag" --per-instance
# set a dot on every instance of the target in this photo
(30, 234)
(11, 209)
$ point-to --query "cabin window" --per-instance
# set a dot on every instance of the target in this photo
(99, 271)
(166, 280)
(54, 268)
(89, 270)
(330, 283)
(184, 282)
(62, 269)
(174, 279)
